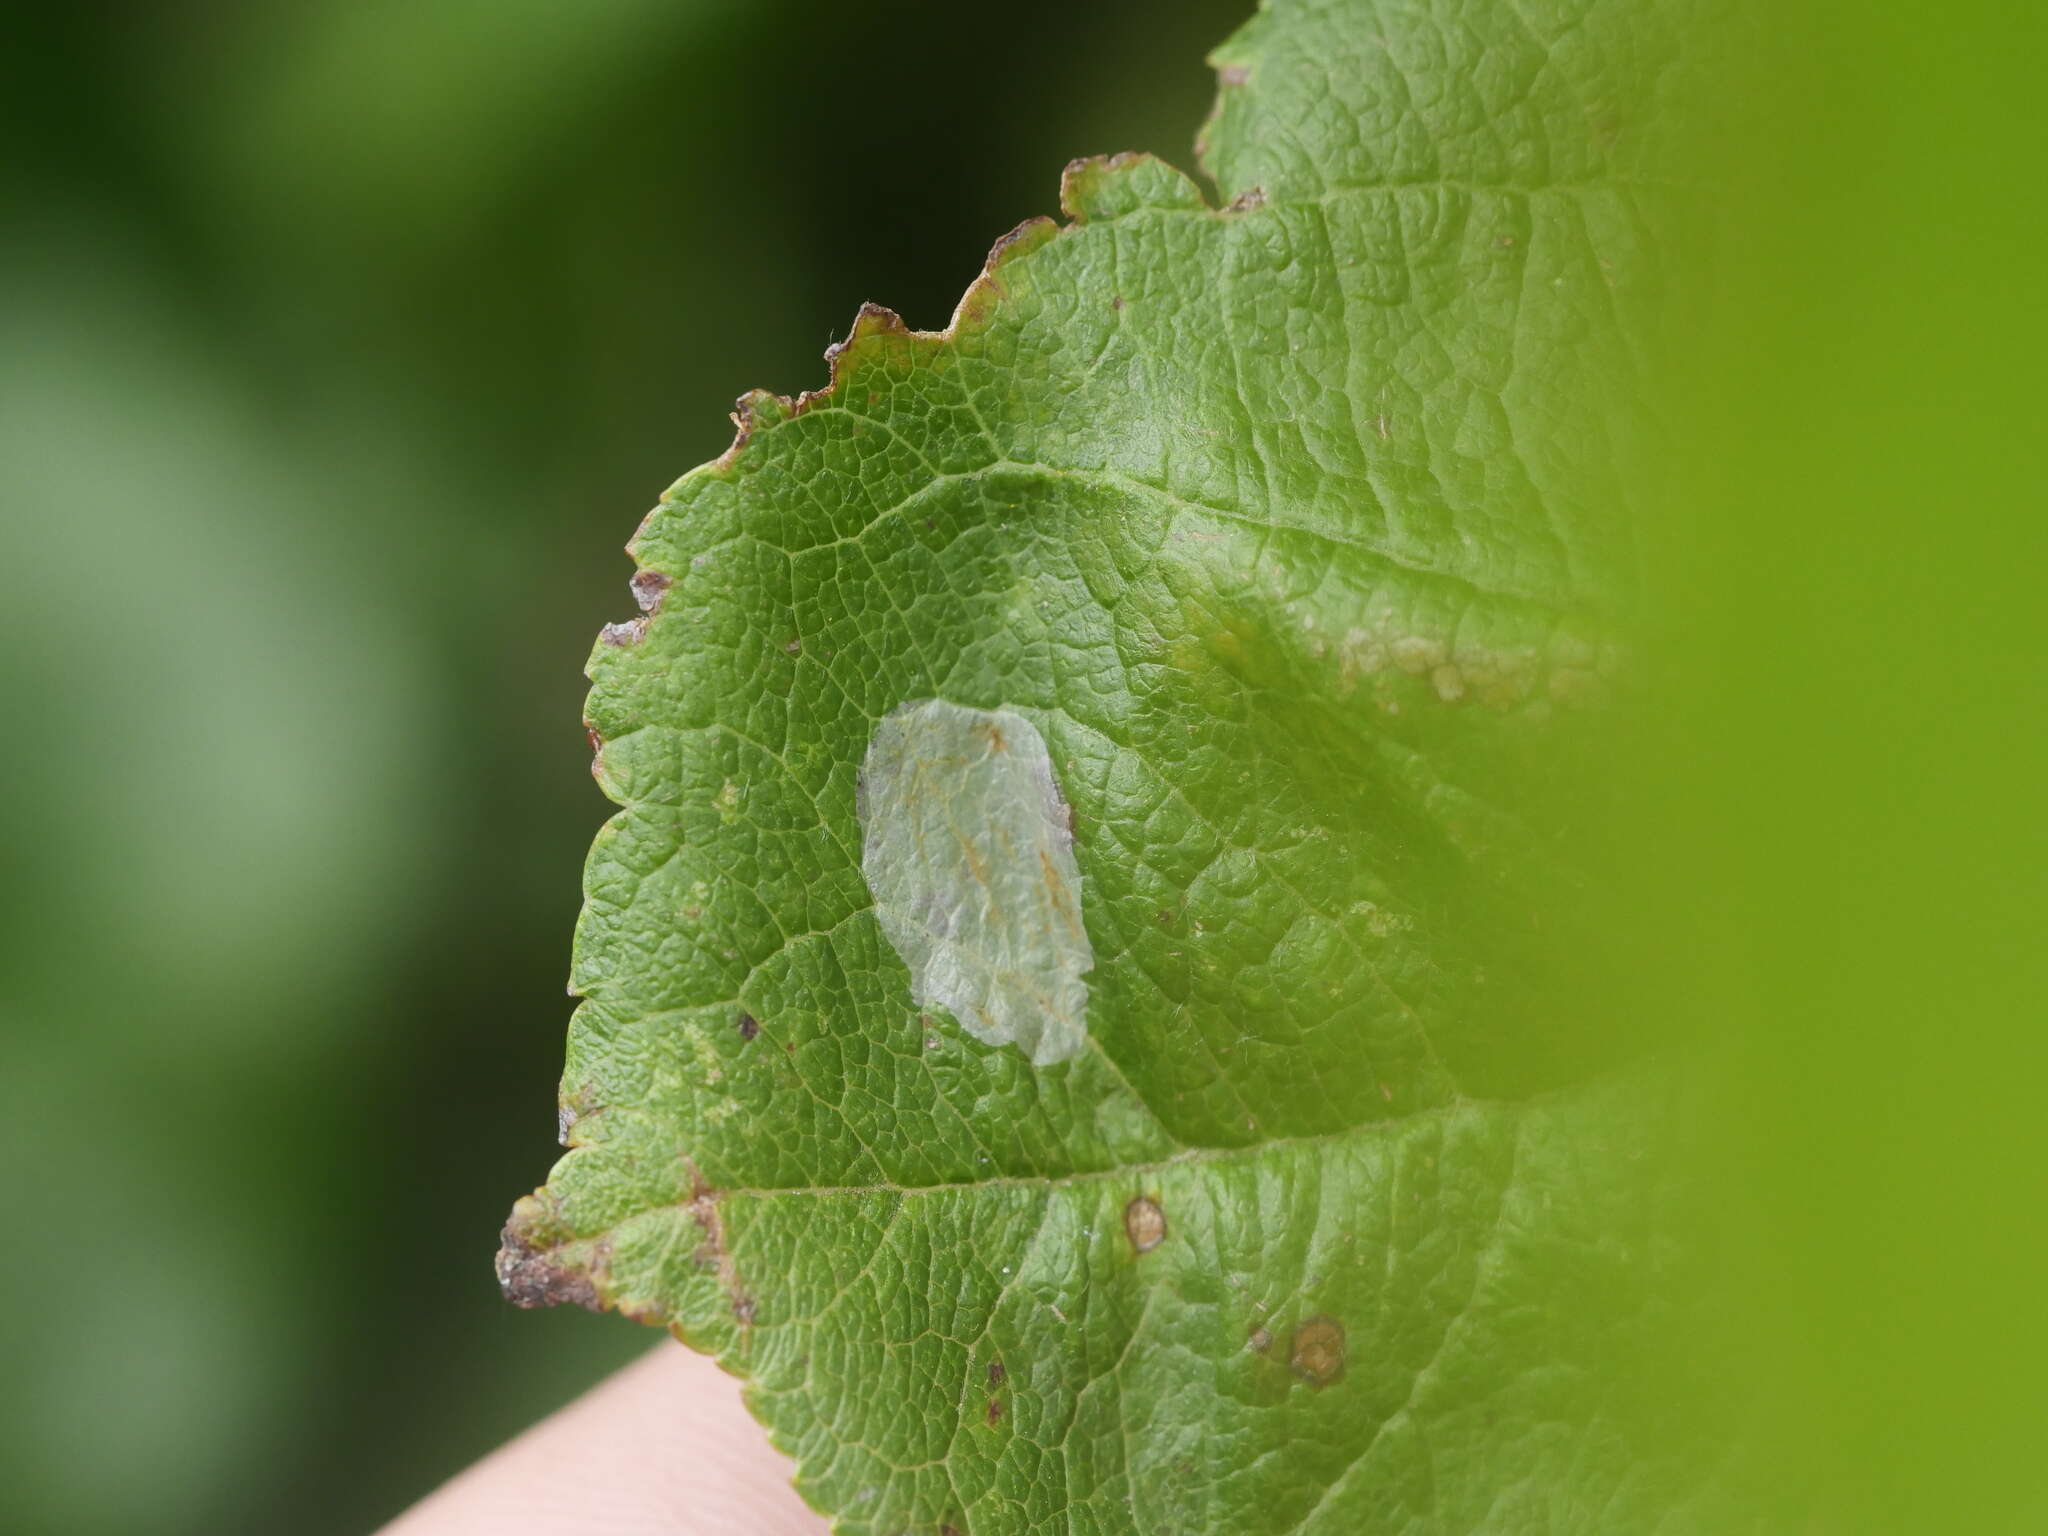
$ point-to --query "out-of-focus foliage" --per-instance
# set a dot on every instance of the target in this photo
(1864, 615)
(338, 343)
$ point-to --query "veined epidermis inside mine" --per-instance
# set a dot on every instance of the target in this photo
(969, 852)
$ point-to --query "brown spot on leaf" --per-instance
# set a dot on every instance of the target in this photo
(648, 587)
(1233, 74)
(1317, 1353)
(748, 1026)
(532, 1277)
(1246, 201)
(712, 1253)
(1259, 1340)
(995, 1410)
(629, 633)
(996, 1373)
(1145, 1224)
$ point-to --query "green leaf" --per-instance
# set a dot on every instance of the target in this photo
(1260, 576)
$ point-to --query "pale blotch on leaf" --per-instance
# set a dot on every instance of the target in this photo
(1144, 1224)
(968, 851)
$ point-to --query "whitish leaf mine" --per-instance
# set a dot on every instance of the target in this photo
(967, 848)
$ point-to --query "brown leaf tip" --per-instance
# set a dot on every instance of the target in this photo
(531, 1277)
(754, 409)
(869, 320)
(1026, 237)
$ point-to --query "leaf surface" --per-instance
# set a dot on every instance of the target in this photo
(1298, 533)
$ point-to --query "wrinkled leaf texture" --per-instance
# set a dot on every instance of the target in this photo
(1305, 523)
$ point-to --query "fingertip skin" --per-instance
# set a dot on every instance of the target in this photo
(664, 1447)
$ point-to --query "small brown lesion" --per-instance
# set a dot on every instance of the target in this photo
(995, 1411)
(1145, 1224)
(1060, 897)
(648, 587)
(649, 1314)
(625, 634)
(996, 1373)
(748, 1026)
(534, 1277)
(712, 1253)
(1316, 1354)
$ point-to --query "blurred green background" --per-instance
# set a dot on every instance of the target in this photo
(342, 345)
